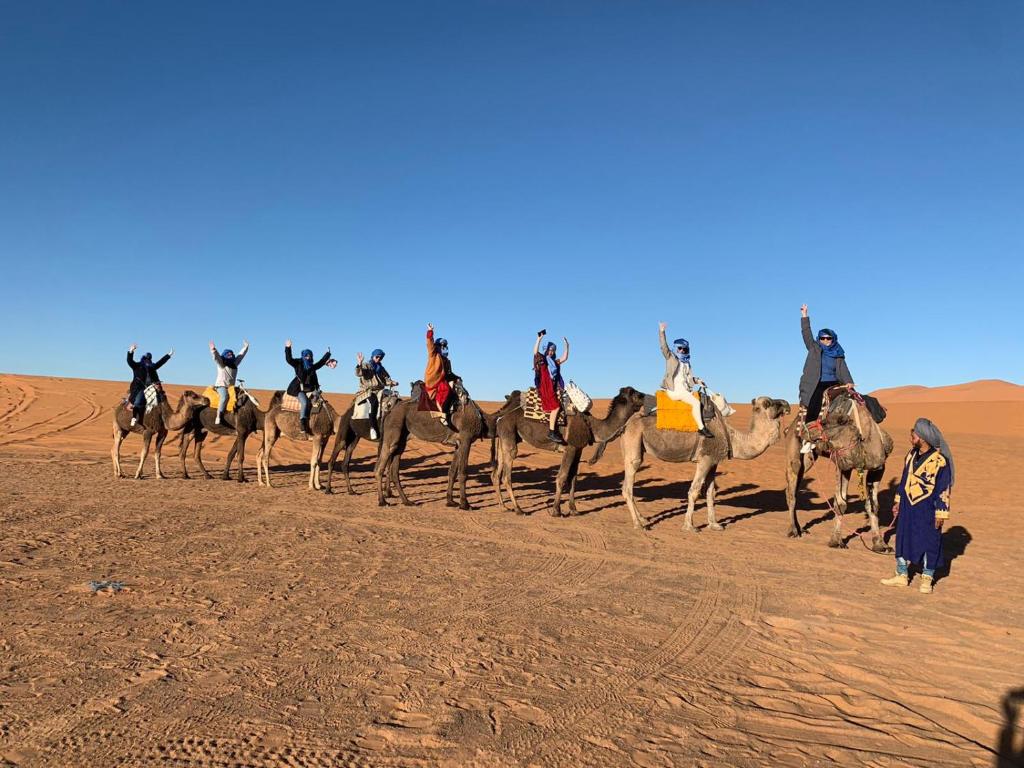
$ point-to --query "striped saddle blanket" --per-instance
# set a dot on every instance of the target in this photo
(291, 403)
(532, 408)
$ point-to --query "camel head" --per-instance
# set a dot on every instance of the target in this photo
(192, 400)
(460, 390)
(631, 399)
(770, 407)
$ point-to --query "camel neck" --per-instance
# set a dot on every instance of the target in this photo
(762, 434)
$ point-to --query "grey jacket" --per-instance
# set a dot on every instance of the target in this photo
(225, 373)
(812, 365)
(672, 366)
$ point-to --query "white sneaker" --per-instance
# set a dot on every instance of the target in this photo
(133, 422)
(217, 420)
(373, 433)
(806, 447)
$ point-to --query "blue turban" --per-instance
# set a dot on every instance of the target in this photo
(550, 359)
(442, 347)
(682, 357)
(376, 366)
(932, 435)
(834, 349)
(307, 358)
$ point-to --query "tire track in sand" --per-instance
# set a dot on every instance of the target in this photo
(95, 410)
(22, 403)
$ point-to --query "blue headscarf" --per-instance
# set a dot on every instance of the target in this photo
(551, 360)
(834, 349)
(932, 435)
(442, 347)
(378, 368)
(147, 359)
(228, 356)
(682, 357)
(307, 359)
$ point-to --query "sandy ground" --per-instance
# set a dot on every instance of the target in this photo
(279, 626)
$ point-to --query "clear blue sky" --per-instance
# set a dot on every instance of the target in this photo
(343, 173)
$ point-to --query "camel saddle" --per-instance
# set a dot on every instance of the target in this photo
(361, 408)
(214, 397)
(291, 403)
(154, 396)
(529, 400)
(677, 415)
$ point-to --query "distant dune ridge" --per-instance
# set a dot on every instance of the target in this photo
(981, 391)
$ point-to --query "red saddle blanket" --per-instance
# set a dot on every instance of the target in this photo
(426, 402)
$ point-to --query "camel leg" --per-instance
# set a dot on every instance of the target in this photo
(709, 494)
(160, 438)
(147, 438)
(232, 452)
(574, 473)
(633, 455)
(797, 465)
(497, 467)
(240, 442)
(510, 457)
(395, 480)
(842, 488)
(339, 438)
(345, 462)
(874, 479)
(704, 466)
(186, 439)
(449, 498)
(115, 451)
(561, 478)
(383, 462)
(461, 463)
(269, 438)
(314, 464)
(200, 442)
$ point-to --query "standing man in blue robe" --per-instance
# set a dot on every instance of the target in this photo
(922, 506)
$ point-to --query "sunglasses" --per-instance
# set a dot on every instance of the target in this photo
(824, 338)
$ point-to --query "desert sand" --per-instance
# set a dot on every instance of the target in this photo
(264, 627)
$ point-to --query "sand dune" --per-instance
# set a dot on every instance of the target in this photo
(266, 627)
(984, 391)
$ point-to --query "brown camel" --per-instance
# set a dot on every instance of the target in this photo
(246, 419)
(853, 441)
(470, 423)
(350, 432)
(277, 421)
(159, 422)
(706, 452)
(581, 430)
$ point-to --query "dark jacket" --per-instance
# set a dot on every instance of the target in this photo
(812, 365)
(143, 375)
(305, 379)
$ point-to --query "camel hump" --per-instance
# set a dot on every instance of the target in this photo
(276, 399)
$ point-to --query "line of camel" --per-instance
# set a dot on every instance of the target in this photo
(850, 448)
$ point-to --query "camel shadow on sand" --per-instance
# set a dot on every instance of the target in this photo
(1010, 749)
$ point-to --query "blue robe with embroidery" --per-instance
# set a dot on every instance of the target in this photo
(924, 493)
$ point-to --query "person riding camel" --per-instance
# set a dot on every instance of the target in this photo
(144, 373)
(438, 374)
(373, 379)
(824, 367)
(679, 382)
(227, 370)
(547, 377)
(306, 384)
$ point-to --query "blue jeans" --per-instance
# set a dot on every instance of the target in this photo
(903, 567)
(222, 406)
(139, 404)
(304, 405)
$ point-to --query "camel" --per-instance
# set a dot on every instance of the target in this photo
(240, 423)
(470, 423)
(323, 422)
(159, 422)
(350, 432)
(581, 430)
(852, 442)
(706, 452)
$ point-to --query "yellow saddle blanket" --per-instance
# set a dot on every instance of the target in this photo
(211, 393)
(674, 414)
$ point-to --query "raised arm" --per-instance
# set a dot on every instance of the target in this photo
(323, 360)
(805, 328)
(663, 341)
(131, 358)
(564, 357)
(215, 354)
(430, 341)
(536, 344)
(241, 354)
(163, 359)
